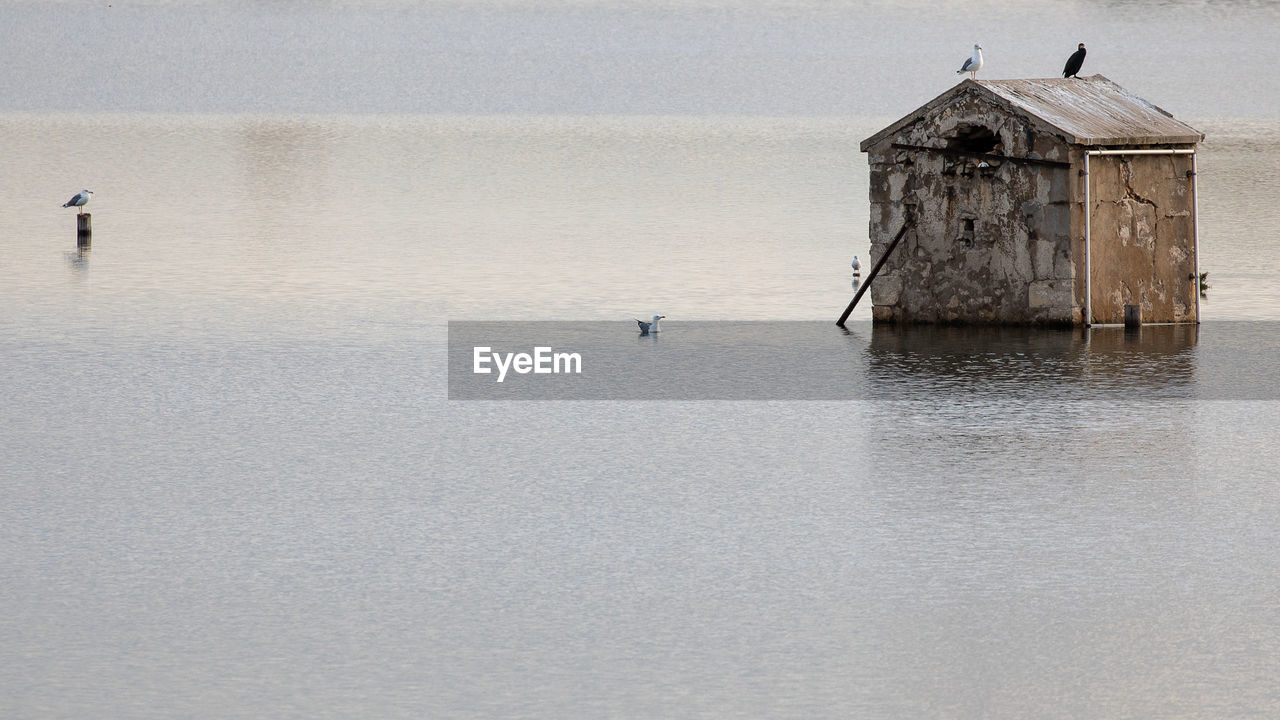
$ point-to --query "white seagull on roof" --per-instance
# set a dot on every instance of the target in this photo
(973, 64)
(648, 328)
(78, 200)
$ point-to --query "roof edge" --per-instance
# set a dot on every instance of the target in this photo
(918, 113)
(1135, 140)
(1071, 138)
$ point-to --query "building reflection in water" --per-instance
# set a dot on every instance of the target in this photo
(925, 361)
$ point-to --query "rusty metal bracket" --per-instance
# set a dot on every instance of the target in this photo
(984, 156)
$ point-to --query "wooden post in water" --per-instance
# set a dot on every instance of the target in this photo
(1132, 316)
(84, 231)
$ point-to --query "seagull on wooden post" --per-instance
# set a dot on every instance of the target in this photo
(973, 64)
(650, 328)
(78, 200)
(856, 265)
(1073, 63)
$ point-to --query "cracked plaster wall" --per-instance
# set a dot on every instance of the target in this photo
(1142, 237)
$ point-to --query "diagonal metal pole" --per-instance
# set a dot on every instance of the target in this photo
(906, 225)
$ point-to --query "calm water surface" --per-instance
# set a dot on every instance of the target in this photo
(235, 488)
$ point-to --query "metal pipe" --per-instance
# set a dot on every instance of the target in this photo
(1195, 227)
(1158, 151)
(1088, 251)
(1088, 221)
(907, 222)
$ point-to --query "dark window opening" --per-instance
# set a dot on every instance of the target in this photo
(973, 139)
(966, 232)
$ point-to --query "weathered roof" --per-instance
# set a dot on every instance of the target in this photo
(1086, 111)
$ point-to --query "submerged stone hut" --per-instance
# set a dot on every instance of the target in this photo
(992, 180)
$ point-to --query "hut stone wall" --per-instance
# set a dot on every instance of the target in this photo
(993, 238)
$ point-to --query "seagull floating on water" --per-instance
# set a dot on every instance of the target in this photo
(78, 200)
(973, 64)
(649, 328)
(1073, 63)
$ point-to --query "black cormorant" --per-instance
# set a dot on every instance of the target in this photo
(1074, 62)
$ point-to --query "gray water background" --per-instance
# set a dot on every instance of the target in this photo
(234, 486)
